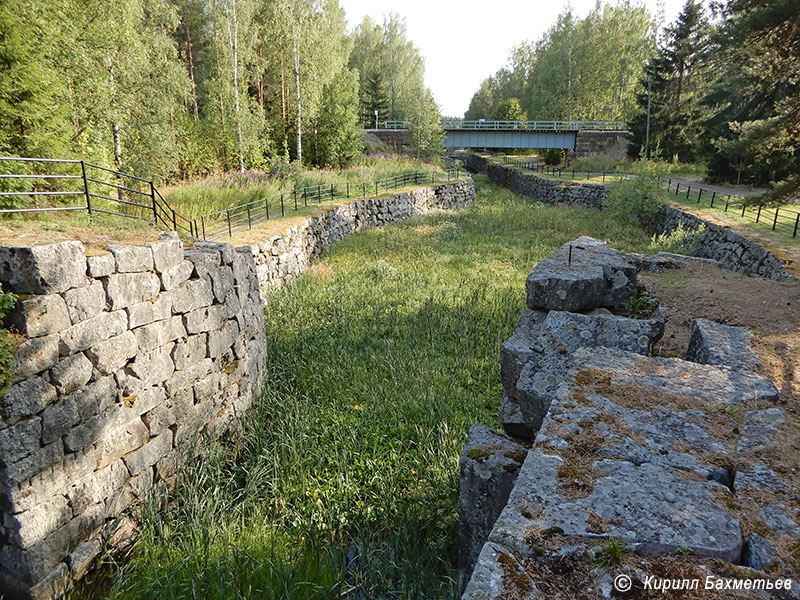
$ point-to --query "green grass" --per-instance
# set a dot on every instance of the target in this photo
(344, 480)
(222, 191)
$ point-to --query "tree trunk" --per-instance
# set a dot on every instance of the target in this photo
(233, 40)
(260, 89)
(284, 110)
(191, 70)
(115, 136)
(296, 49)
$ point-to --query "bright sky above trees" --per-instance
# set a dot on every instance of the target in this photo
(464, 42)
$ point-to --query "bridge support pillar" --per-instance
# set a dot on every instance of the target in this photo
(598, 142)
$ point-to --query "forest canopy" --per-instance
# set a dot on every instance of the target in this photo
(174, 89)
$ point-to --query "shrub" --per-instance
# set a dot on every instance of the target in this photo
(641, 198)
(681, 240)
(553, 156)
(7, 302)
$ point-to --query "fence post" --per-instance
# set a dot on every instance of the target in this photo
(230, 233)
(249, 221)
(699, 193)
(758, 214)
(669, 183)
(376, 188)
(295, 198)
(86, 189)
(796, 223)
(688, 189)
(775, 221)
(266, 206)
(713, 195)
(282, 211)
(348, 189)
(677, 188)
(743, 208)
(174, 221)
(203, 223)
(153, 198)
(319, 194)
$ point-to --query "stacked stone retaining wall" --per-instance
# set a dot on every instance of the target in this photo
(546, 190)
(126, 359)
(730, 249)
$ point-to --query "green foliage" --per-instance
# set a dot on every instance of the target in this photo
(345, 473)
(600, 162)
(339, 142)
(427, 135)
(680, 240)
(579, 69)
(509, 110)
(610, 552)
(641, 306)
(7, 302)
(553, 156)
(641, 198)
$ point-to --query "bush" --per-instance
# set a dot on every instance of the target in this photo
(599, 162)
(553, 156)
(679, 241)
(641, 198)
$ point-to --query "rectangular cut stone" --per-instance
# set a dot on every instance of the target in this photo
(44, 268)
(222, 339)
(152, 367)
(716, 344)
(191, 295)
(25, 399)
(39, 316)
(20, 440)
(113, 354)
(127, 289)
(29, 466)
(86, 302)
(34, 356)
(167, 252)
(120, 441)
(165, 415)
(61, 416)
(185, 378)
(71, 374)
(189, 352)
(96, 486)
(87, 333)
(144, 401)
(174, 276)
(101, 265)
(34, 525)
(204, 260)
(159, 333)
(132, 259)
(149, 454)
(148, 312)
(205, 319)
(222, 282)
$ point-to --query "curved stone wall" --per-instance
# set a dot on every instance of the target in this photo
(125, 359)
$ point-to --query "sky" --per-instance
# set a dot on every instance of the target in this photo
(465, 42)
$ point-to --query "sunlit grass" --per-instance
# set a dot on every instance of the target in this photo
(344, 480)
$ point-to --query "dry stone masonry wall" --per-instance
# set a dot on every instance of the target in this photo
(729, 249)
(127, 358)
(667, 456)
(546, 190)
(281, 257)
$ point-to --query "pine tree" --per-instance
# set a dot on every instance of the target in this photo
(374, 100)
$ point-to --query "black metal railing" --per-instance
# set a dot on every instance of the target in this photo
(776, 218)
(533, 164)
(137, 198)
(225, 222)
(83, 187)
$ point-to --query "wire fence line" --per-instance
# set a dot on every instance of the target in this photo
(779, 219)
(138, 198)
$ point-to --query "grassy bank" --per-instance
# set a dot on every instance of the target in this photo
(344, 481)
(219, 192)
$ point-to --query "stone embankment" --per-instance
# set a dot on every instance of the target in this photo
(546, 190)
(128, 360)
(728, 248)
(609, 450)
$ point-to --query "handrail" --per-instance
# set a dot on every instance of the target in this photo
(498, 125)
(230, 218)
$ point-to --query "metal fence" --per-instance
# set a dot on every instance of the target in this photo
(246, 214)
(533, 164)
(483, 124)
(777, 218)
(81, 186)
(137, 198)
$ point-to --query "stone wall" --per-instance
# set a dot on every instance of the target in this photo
(282, 257)
(730, 249)
(545, 190)
(125, 359)
(127, 356)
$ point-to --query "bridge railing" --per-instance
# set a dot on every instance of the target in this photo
(487, 125)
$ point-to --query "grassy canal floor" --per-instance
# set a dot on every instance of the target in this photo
(344, 482)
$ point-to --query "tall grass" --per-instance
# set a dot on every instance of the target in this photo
(343, 482)
(221, 191)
